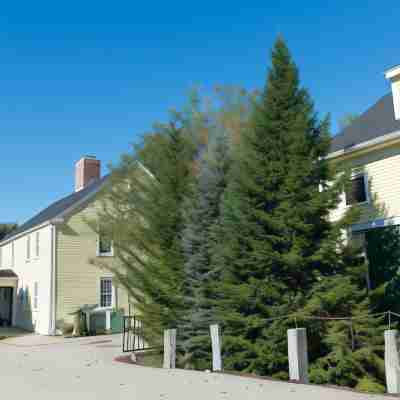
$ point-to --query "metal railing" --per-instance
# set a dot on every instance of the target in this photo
(133, 335)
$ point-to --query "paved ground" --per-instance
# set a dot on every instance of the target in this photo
(44, 368)
(6, 331)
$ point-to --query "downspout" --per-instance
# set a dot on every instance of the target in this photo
(52, 327)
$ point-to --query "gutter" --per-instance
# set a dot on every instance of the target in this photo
(365, 145)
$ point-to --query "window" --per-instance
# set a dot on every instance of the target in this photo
(104, 245)
(106, 292)
(356, 191)
(35, 295)
(37, 244)
(28, 247)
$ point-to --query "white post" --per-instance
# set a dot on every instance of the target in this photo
(216, 348)
(169, 348)
(298, 357)
(108, 320)
(392, 364)
(87, 314)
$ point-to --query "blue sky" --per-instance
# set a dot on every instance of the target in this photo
(89, 77)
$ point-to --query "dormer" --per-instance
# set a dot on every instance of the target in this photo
(393, 75)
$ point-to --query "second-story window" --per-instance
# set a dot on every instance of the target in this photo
(356, 190)
(104, 245)
(28, 247)
(37, 244)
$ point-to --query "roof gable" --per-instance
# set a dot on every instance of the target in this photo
(60, 207)
(377, 121)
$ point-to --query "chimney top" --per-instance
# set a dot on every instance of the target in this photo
(393, 74)
(87, 170)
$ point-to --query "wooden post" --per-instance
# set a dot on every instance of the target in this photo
(169, 348)
(216, 347)
(298, 357)
(392, 362)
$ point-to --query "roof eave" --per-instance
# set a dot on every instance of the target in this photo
(390, 137)
(20, 234)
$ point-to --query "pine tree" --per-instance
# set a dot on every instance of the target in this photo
(6, 229)
(346, 352)
(141, 212)
(201, 213)
(275, 240)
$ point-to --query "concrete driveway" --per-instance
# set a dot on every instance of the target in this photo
(45, 368)
(6, 332)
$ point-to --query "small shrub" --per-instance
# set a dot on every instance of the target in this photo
(281, 375)
(370, 386)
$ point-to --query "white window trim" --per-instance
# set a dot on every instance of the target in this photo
(100, 307)
(354, 175)
(106, 254)
(37, 245)
(28, 248)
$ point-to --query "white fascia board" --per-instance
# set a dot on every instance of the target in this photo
(392, 72)
(146, 170)
(365, 145)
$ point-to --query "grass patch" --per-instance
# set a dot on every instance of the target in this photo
(150, 359)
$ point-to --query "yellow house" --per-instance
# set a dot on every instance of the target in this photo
(370, 147)
(45, 269)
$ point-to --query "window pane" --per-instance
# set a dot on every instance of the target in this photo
(355, 192)
(106, 292)
(104, 245)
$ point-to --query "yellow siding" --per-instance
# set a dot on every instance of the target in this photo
(383, 171)
(78, 281)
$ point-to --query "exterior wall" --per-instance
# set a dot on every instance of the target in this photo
(36, 269)
(78, 281)
(382, 168)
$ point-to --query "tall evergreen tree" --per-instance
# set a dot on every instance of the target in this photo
(275, 239)
(201, 212)
(6, 229)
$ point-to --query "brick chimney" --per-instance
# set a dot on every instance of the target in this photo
(393, 75)
(87, 170)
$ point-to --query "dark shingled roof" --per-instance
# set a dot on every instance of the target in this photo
(7, 273)
(377, 121)
(59, 207)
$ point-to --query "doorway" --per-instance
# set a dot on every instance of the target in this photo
(6, 305)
